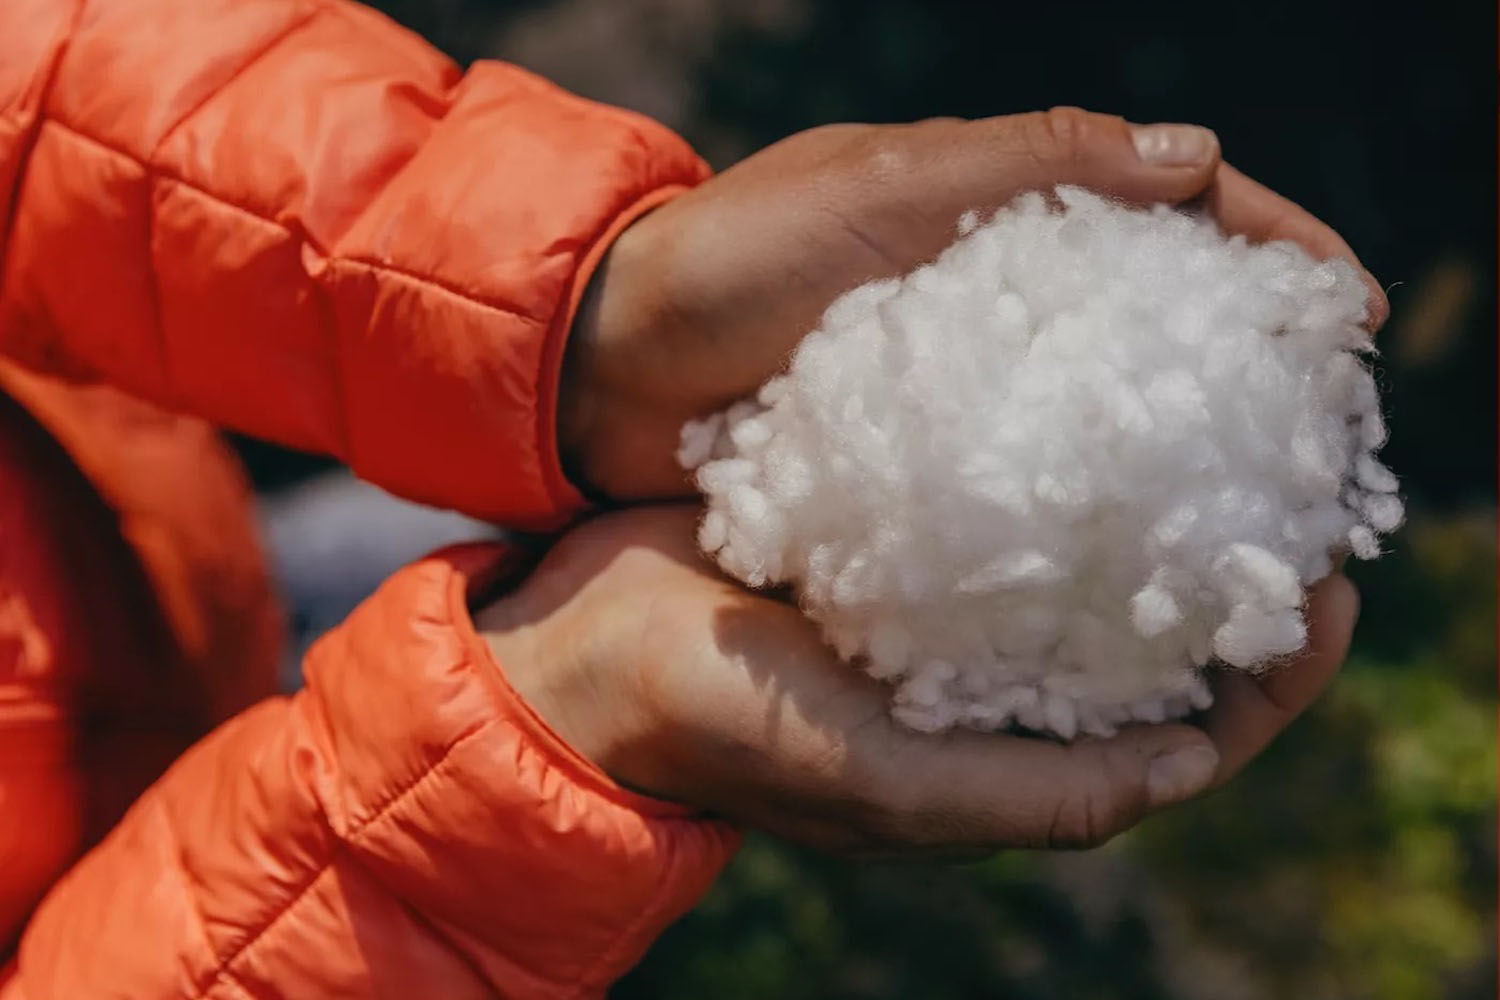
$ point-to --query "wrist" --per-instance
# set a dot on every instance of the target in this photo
(554, 656)
(597, 394)
(579, 391)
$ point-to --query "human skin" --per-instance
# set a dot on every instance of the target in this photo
(680, 683)
(701, 301)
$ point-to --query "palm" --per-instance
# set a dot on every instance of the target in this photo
(729, 700)
(701, 301)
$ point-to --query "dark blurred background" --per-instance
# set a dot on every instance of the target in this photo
(1356, 859)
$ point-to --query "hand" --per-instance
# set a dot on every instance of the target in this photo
(700, 301)
(683, 685)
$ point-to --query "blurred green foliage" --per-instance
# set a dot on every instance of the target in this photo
(1355, 860)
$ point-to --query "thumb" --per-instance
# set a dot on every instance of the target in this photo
(1164, 162)
(1004, 790)
(1105, 787)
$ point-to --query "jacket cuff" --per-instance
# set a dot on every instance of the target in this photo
(546, 872)
(569, 496)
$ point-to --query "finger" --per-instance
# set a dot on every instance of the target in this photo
(1137, 163)
(936, 170)
(1243, 206)
(803, 746)
(971, 789)
(1249, 712)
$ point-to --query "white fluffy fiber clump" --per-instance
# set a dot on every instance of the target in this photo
(1046, 478)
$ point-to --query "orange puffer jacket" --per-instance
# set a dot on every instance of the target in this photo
(293, 218)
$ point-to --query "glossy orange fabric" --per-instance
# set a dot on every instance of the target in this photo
(176, 495)
(402, 827)
(293, 218)
(61, 563)
(135, 614)
(300, 221)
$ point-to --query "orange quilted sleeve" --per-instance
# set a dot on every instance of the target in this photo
(403, 827)
(298, 220)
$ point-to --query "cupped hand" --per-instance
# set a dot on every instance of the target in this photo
(681, 684)
(701, 300)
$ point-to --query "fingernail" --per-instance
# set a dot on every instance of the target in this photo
(1174, 145)
(1180, 774)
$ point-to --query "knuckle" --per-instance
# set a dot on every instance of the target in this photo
(1064, 132)
(832, 143)
(885, 155)
(1085, 820)
(888, 160)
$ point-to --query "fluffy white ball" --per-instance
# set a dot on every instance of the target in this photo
(1046, 478)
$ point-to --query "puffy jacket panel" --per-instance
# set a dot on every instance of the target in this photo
(404, 826)
(293, 218)
(296, 219)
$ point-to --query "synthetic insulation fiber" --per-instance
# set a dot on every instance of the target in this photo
(1047, 478)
